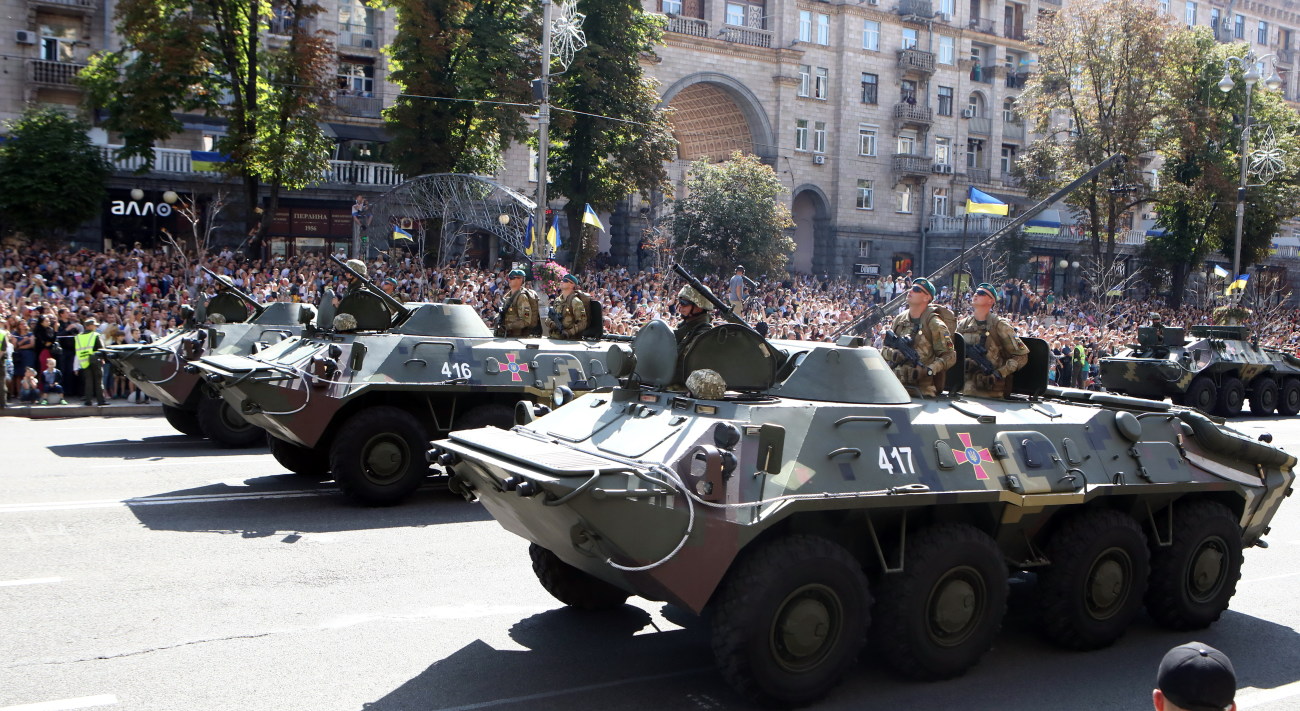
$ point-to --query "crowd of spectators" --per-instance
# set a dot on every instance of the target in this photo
(46, 294)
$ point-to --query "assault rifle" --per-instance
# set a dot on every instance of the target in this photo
(903, 344)
(979, 355)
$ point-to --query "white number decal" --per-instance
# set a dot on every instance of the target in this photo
(901, 455)
(456, 370)
(883, 461)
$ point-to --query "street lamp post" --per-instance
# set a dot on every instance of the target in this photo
(1250, 73)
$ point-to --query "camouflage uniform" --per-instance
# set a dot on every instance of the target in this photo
(519, 315)
(933, 343)
(1005, 350)
(690, 329)
(571, 311)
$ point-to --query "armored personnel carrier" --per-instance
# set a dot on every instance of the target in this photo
(810, 502)
(362, 392)
(231, 322)
(1216, 370)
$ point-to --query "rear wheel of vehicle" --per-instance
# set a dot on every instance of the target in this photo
(223, 425)
(299, 459)
(183, 421)
(1232, 395)
(571, 586)
(1202, 394)
(489, 415)
(1194, 578)
(378, 457)
(941, 613)
(1099, 568)
(789, 619)
(1263, 396)
(1288, 398)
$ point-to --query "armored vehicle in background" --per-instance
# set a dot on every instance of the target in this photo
(361, 393)
(231, 322)
(810, 502)
(1216, 371)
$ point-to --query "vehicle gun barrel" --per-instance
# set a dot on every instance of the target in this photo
(257, 308)
(398, 308)
(723, 309)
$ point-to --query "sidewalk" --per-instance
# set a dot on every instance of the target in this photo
(74, 408)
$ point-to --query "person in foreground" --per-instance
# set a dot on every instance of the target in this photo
(1195, 677)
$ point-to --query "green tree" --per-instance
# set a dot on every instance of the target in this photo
(610, 136)
(216, 56)
(51, 176)
(481, 53)
(733, 213)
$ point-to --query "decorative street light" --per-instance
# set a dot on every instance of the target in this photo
(1250, 65)
(561, 38)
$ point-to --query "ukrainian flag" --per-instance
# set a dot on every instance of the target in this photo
(981, 203)
(589, 218)
(553, 234)
(1220, 272)
(208, 160)
(528, 237)
(1238, 285)
(399, 234)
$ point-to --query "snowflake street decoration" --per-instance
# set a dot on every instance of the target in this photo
(567, 36)
(1267, 160)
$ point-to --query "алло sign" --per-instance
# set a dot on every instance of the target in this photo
(139, 207)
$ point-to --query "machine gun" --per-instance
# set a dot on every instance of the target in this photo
(903, 344)
(243, 296)
(877, 314)
(979, 355)
(398, 308)
(718, 305)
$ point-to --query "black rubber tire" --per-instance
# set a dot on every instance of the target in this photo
(1232, 395)
(754, 612)
(488, 415)
(378, 457)
(1202, 394)
(1094, 586)
(226, 427)
(953, 565)
(571, 586)
(299, 459)
(1263, 395)
(1288, 397)
(1194, 578)
(183, 421)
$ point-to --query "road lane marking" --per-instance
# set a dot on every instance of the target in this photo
(570, 690)
(84, 702)
(29, 581)
(1271, 577)
(1260, 697)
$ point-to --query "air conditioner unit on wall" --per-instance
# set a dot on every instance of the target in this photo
(967, 113)
(25, 37)
(368, 43)
(819, 159)
(873, 2)
(943, 168)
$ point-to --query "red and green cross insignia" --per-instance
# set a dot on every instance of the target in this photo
(971, 455)
(513, 368)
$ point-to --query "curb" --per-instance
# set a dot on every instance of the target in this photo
(42, 412)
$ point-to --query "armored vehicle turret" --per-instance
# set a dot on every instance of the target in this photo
(810, 502)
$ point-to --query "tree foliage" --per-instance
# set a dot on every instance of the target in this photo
(477, 52)
(733, 213)
(51, 176)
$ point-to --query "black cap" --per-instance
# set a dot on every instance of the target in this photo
(1197, 677)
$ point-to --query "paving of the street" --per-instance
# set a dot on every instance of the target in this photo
(142, 569)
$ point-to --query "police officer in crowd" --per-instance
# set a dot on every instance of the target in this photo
(88, 363)
(930, 337)
(519, 315)
(694, 311)
(570, 311)
(1004, 349)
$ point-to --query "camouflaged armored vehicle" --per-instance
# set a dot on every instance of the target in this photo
(361, 394)
(230, 322)
(1216, 371)
(807, 500)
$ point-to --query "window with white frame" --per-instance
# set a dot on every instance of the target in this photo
(1009, 110)
(672, 7)
(532, 165)
(59, 39)
(864, 249)
(911, 37)
(1189, 14)
(1164, 7)
(945, 101)
(801, 134)
(735, 14)
(805, 80)
(805, 26)
(943, 150)
(356, 78)
(905, 195)
(1239, 27)
(866, 195)
(1008, 159)
(871, 35)
(819, 137)
(1261, 33)
(821, 83)
(867, 139)
(870, 88)
(940, 202)
(823, 29)
(947, 49)
(906, 142)
(948, 8)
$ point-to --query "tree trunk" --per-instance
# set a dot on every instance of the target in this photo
(1179, 285)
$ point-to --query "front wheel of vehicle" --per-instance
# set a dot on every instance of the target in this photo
(571, 586)
(298, 459)
(1232, 395)
(1263, 396)
(1288, 398)
(183, 421)
(378, 457)
(223, 425)
(1195, 576)
(1202, 394)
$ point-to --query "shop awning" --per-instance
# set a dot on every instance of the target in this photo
(356, 132)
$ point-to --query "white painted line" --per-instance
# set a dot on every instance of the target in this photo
(29, 581)
(1260, 697)
(566, 692)
(84, 702)
(1271, 577)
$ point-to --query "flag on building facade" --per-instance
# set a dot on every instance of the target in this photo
(207, 160)
(979, 202)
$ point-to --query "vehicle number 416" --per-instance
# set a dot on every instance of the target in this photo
(900, 456)
(456, 370)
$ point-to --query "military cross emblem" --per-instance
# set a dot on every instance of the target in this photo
(971, 455)
(513, 368)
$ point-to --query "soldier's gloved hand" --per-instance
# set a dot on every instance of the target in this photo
(919, 374)
(1004, 371)
(930, 368)
(888, 354)
(905, 374)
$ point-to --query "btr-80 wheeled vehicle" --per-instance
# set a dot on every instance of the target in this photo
(361, 394)
(231, 322)
(810, 502)
(1216, 371)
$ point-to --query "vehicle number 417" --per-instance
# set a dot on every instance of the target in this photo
(896, 460)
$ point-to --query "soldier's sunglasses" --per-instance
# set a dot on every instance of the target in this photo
(920, 290)
(685, 302)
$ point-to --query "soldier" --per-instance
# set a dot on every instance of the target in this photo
(696, 319)
(351, 283)
(1004, 350)
(569, 318)
(519, 315)
(1158, 326)
(930, 337)
(88, 364)
(389, 285)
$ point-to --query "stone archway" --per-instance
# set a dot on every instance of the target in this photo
(713, 115)
(814, 251)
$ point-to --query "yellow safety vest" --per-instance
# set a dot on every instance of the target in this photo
(4, 340)
(85, 343)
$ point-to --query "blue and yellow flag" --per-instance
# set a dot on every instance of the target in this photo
(400, 234)
(1239, 284)
(981, 203)
(1220, 272)
(528, 237)
(553, 234)
(589, 218)
(208, 160)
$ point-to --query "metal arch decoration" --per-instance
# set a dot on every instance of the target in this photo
(1268, 159)
(455, 201)
(567, 36)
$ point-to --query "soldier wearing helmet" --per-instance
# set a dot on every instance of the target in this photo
(694, 309)
(351, 284)
(1003, 347)
(569, 319)
(930, 337)
(519, 312)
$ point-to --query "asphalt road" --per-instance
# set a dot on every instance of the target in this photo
(142, 569)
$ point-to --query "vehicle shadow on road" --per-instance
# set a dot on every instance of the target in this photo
(177, 446)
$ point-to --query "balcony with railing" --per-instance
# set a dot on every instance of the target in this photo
(988, 27)
(1013, 32)
(913, 164)
(362, 40)
(1285, 55)
(980, 125)
(175, 160)
(979, 176)
(906, 113)
(66, 6)
(981, 74)
(1017, 80)
(916, 60)
(693, 26)
(360, 106)
(47, 73)
(1013, 131)
(942, 225)
(751, 36)
(916, 10)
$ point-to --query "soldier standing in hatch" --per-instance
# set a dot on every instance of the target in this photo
(1004, 349)
(930, 337)
(1158, 325)
(519, 315)
(694, 310)
(351, 284)
(570, 319)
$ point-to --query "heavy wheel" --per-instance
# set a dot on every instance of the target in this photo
(1288, 397)
(789, 619)
(1194, 578)
(299, 459)
(936, 618)
(1094, 585)
(1232, 395)
(1202, 394)
(571, 586)
(1263, 395)
(222, 424)
(489, 415)
(183, 421)
(378, 457)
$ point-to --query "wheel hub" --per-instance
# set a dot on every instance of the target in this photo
(806, 627)
(232, 419)
(1108, 584)
(1206, 575)
(385, 460)
(956, 606)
